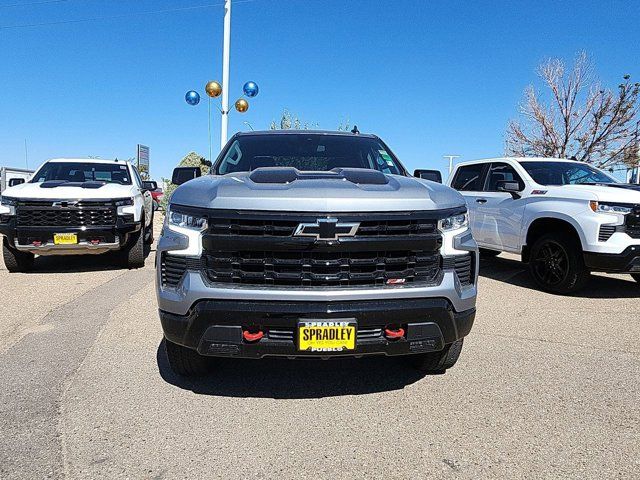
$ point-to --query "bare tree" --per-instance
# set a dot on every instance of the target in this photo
(580, 119)
(289, 121)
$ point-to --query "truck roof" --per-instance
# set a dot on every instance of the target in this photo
(86, 160)
(518, 159)
(304, 132)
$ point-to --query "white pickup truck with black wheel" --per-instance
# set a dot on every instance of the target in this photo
(77, 206)
(566, 218)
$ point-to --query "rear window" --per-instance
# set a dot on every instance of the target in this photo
(468, 178)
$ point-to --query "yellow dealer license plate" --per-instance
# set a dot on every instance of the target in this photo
(65, 238)
(326, 336)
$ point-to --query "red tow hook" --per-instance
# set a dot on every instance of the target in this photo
(252, 337)
(95, 242)
(394, 333)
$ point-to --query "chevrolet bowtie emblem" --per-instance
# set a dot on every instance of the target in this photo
(64, 204)
(326, 229)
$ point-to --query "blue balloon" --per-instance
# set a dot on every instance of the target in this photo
(192, 97)
(250, 89)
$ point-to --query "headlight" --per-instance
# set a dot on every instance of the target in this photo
(599, 207)
(121, 202)
(184, 220)
(8, 201)
(454, 222)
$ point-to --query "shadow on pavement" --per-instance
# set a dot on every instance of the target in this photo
(516, 273)
(82, 263)
(295, 379)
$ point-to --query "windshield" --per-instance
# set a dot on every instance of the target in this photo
(310, 152)
(565, 173)
(80, 172)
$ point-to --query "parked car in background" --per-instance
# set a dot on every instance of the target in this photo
(313, 244)
(157, 195)
(77, 206)
(10, 176)
(565, 218)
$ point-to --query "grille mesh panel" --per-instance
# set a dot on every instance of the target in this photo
(286, 228)
(80, 214)
(312, 268)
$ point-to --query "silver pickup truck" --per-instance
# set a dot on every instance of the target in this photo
(313, 244)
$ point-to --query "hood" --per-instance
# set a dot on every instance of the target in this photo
(37, 191)
(615, 192)
(319, 193)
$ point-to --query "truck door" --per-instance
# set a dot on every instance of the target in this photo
(469, 181)
(499, 214)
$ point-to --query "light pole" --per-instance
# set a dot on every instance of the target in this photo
(214, 89)
(225, 73)
(451, 157)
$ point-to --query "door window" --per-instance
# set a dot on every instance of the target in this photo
(137, 176)
(469, 178)
(501, 172)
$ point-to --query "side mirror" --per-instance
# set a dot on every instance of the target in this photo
(510, 187)
(149, 185)
(433, 175)
(184, 174)
(15, 181)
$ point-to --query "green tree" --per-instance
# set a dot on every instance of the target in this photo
(191, 159)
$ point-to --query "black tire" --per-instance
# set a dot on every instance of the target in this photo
(186, 362)
(438, 362)
(14, 260)
(133, 253)
(486, 253)
(148, 233)
(557, 264)
(636, 277)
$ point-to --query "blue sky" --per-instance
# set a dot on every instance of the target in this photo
(430, 77)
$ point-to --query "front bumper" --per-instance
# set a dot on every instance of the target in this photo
(626, 262)
(214, 328)
(39, 240)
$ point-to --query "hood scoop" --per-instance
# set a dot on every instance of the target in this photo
(360, 176)
(65, 183)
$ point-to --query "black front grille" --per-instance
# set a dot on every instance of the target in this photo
(632, 223)
(631, 226)
(271, 227)
(59, 213)
(322, 268)
(322, 250)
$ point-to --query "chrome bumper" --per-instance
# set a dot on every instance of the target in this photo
(79, 248)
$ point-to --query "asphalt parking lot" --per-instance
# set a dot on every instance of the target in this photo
(546, 387)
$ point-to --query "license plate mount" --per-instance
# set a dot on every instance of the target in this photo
(327, 336)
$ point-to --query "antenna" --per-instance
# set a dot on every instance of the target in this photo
(26, 154)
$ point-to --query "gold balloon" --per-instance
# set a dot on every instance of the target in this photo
(213, 89)
(242, 105)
